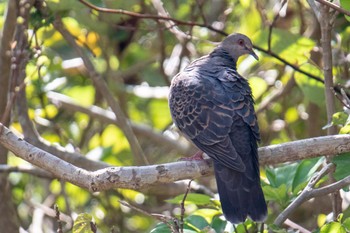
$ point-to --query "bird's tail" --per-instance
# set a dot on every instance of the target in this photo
(240, 195)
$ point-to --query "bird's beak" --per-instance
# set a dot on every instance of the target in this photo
(254, 54)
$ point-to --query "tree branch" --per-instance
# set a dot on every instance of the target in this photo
(27, 170)
(109, 118)
(140, 178)
(102, 87)
(305, 195)
(334, 7)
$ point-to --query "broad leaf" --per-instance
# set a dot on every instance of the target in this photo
(82, 223)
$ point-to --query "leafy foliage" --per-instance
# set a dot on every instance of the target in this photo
(137, 57)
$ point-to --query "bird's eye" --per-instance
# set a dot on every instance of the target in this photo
(241, 42)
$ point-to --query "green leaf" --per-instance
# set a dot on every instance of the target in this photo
(193, 198)
(258, 85)
(343, 163)
(345, 130)
(305, 170)
(276, 229)
(340, 118)
(346, 5)
(196, 221)
(313, 90)
(278, 195)
(333, 227)
(82, 223)
(346, 224)
(218, 224)
(207, 214)
(286, 44)
(281, 175)
(161, 228)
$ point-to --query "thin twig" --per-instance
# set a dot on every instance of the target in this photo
(180, 22)
(148, 16)
(26, 170)
(276, 94)
(182, 205)
(295, 226)
(305, 195)
(334, 6)
(273, 24)
(58, 220)
(93, 227)
(171, 222)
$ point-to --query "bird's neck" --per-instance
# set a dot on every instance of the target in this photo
(224, 57)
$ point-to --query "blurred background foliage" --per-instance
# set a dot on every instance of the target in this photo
(137, 58)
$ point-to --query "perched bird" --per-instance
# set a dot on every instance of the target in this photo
(212, 105)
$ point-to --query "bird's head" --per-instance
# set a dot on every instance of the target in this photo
(237, 45)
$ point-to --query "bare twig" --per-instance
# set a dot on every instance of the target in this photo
(93, 227)
(27, 170)
(343, 98)
(171, 222)
(326, 20)
(334, 6)
(58, 220)
(272, 24)
(182, 205)
(147, 16)
(295, 226)
(5, 59)
(275, 95)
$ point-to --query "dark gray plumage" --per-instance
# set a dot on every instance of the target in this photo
(212, 105)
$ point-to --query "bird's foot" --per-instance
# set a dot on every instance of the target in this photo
(197, 156)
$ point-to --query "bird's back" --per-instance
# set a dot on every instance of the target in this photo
(212, 105)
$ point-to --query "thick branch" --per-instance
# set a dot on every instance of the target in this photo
(140, 178)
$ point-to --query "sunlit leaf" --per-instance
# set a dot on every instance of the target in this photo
(194, 198)
(333, 227)
(208, 214)
(293, 47)
(82, 223)
(258, 86)
(291, 115)
(345, 4)
(346, 224)
(340, 118)
(321, 219)
(345, 130)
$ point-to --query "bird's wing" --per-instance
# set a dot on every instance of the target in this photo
(204, 111)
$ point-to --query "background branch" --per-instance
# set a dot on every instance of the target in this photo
(101, 86)
(108, 117)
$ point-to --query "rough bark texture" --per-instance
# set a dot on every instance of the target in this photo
(8, 217)
(142, 177)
